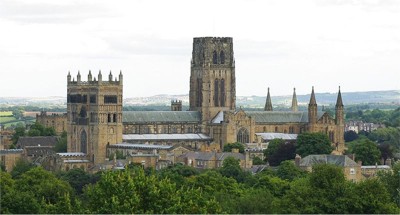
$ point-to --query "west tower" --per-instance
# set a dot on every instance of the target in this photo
(94, 110)
(212, 77)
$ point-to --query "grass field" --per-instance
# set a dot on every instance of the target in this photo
(5, 119)
(5, 113)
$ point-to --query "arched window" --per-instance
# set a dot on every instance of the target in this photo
(222, 87)
(276, 129)
(216, 102)
(199, 93)
(243, 136)
(222, 57)
(84, 142)
(215, 57)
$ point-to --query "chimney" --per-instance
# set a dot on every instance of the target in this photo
(359, 163)
(297, 160)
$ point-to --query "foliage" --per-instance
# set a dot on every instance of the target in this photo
(38, 129)
(350, 136)
(19, 132)
(388, 135)
(21, 166)
(366, 151)
(289, 171)
(258, 161)
(278, 150)
(391, 180)
(131, 191)
(78, 179)
(386, 150)
(61, 145)
(313, 143)
(231, 168)
(228, 147)
(118, 155)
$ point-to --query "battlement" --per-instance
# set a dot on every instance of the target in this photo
(216, 52)
(92, 81)
(176, 105)
(212, 39)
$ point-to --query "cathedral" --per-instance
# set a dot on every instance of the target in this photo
(96, 121)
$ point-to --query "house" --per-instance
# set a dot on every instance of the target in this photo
(211, 160)
(351, 169)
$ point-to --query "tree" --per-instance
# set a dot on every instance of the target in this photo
(19, 132)
(131, 191)
(350, 136)
(289, 171)
(391, 180)
(313, 143)
(228, 147)
(231, 168)
(21, 166)
(61, 145)
(366, 151)
(78, 179)
(386, 150)
(278, 150)
(258, 161)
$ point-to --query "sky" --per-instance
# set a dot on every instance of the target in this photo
(279, 44)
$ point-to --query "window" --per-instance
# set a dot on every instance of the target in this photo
(84, 142)
(222, 57)
(222, 87)
(352, 171)
(110, 99)
(115, 117)
(92, 99)
(109, 118)
(243, 136)
(216, 102)
(215, 58)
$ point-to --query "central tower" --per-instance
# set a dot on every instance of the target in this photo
(212, 76)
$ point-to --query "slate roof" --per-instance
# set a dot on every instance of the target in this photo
(271, 136)
(36, 141)
(11, 151)
(338, 160)
(278, 116)
(139, 146)
(144, 137)
(161, 116)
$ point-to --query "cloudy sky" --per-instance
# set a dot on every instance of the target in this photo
(279, 44)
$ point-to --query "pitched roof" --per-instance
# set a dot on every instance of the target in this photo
(138, 146)
(37, 141)
(338, 160)
(160, 116)
(279, 116)
(271, 136)
(144, 137)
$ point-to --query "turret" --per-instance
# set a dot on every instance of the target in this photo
(78, 77)
(89, 77)
(120, 77)
(110, 77)
(295, 107)
(312, 108)
(100, 77)
(69, 77)
(339, 109)
(268, 103)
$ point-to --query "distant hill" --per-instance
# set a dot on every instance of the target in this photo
(349, 98)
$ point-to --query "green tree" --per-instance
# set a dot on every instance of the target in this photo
(391, 180)
(289, 171)
(278, 150)
(78, 179)
(228, 147)
(19, 132)
(313, 143)
(350, 136)
(366, 151)
(21, 166)
(131, 191)
(231, 168)
(61, 145)
(258, 161)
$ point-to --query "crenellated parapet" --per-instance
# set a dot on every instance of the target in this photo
(94, 81)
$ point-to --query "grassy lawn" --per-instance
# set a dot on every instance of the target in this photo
(5, 113)
(5, 119)
(6, 125)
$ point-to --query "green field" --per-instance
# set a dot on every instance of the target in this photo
(5, 119)
(5, 113)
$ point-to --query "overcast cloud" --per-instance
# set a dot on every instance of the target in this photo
(279, 44)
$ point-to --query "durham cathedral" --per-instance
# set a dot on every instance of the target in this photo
(97, 124)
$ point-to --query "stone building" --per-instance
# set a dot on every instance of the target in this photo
(9, 158)
(58, 121)
(95, 120)
(351, 169)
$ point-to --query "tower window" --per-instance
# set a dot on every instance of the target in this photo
(222, 87)
(109, 118)
(93, 99)
(215, 57)
(110, 99)
(115, 117)
(216, 101)
(222, 57)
